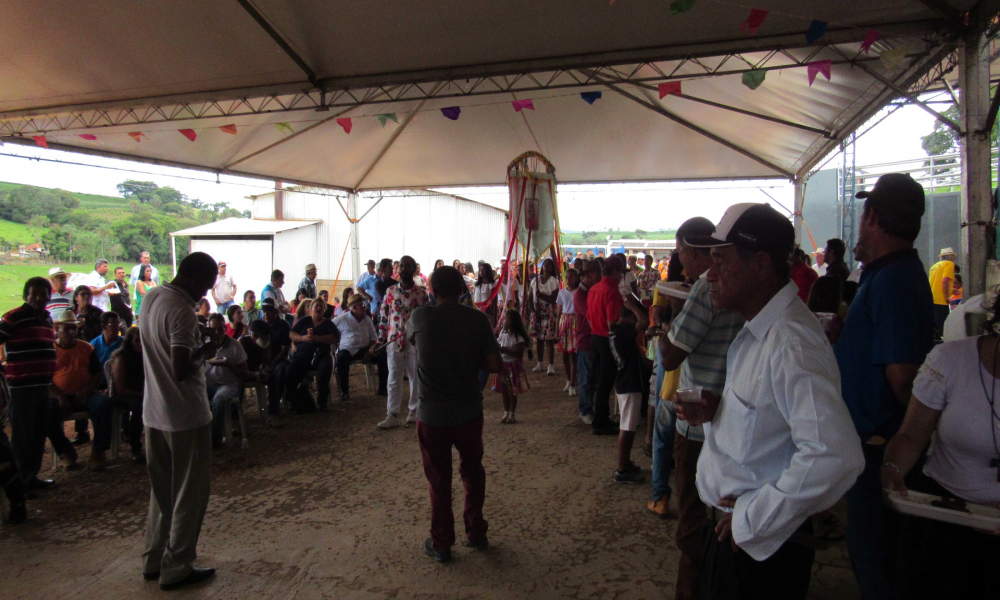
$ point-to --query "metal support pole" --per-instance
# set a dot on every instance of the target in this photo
(173, 253)
(800, 200)
(352, 211)
(974, 86)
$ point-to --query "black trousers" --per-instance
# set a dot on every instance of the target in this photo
(729, 575)
(322, 364)
(602, 379)
(29, 425)
(344, 360)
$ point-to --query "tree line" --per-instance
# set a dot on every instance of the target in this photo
(81, 231)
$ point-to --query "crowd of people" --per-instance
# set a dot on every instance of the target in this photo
(770, 388)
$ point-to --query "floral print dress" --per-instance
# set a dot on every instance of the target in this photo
(397, 307)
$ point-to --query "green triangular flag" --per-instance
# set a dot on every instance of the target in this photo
(681, 6)
(753, 79)
(284, 127)
(387, 117)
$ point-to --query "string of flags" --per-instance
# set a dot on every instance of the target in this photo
(752, 79)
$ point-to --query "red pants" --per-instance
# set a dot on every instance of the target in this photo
(435, 450)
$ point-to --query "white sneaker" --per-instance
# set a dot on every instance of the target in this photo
(572, 391)
(537, 369)
(551, 370)
(587, 419)
(411, 417)
(389, 422)
(566, 387)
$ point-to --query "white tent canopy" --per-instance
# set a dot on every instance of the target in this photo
(106, 69)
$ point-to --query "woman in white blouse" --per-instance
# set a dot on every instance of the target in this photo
(544, 318)
(482, 291)
(957, 396)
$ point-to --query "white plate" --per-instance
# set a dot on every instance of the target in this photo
(674, 289)
(919, 505)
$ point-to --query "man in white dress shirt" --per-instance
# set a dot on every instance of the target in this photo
(99, 287)
(780, 445)
(143, 260)
(357, 338)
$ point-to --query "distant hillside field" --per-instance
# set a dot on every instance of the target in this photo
(16, 233)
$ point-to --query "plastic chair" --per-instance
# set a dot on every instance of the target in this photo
(259, 389)
(227, 426)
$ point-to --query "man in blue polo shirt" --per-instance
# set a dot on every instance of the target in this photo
(110, 338)
(888, 332)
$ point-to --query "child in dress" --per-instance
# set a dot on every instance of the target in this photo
(511, 380)
(567, 329)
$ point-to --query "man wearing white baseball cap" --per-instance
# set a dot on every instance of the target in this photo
(780, 445)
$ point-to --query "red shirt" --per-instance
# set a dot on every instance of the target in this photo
(803, 275)
(604, 305)
(580, 314)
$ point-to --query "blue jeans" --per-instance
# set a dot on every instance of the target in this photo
(585, 391)
(871, 530)
(221, 397)
(663, 436)
(224, 307)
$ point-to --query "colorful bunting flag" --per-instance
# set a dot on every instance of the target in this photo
(891, 58)
(817, 29)
(819, 66)
(346, 123)
(387, 117)
(754, 21)
(41, 141)
(870, 39)
(451, 112)
(231, 129)
(681, 6)
(137, 134)
(89, 137)
(590, 97)
(753, 79)
(520, 105)
(670, 87)
(284, 128)
(189, 134)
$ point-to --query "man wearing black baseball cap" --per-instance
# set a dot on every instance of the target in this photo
(888, 333)
(780, 445)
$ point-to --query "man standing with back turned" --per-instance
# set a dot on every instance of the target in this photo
(178, 422)
(453, 343)
(779, 445)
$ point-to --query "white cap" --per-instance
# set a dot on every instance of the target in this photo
(57, 271)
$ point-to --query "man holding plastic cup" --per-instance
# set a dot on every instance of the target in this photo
(780, 445)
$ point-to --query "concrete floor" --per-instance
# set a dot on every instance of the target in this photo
(331, 507)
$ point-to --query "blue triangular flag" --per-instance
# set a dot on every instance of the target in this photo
(451, 112)
(590, 97)
(817, 29)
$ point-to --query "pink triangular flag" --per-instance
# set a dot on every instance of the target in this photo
(520, 105)
(869, 40)
(136, 135)
(89, 137)
(41, 141)
(229, 129)
(189, 134)
(346, 124)
(819, 66)
(670, 87)
(754, 21)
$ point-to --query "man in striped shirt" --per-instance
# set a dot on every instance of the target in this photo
(698, 341)
(27, 335)
(61, 299)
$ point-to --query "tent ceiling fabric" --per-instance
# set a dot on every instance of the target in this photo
(107, 69)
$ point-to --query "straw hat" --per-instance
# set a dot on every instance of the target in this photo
(355, 299)
(946, 251)
(310, 268)
(67, 318)
(57, 271)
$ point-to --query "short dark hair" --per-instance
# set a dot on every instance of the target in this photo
(779, 260)
(248, 293)
(214, 316)
(122, 269)
(276, 274)
(447, 282)
(107, 316)
(903, 224)
(385, 264)
(260, 328)
(38, 282)
(198, 266)
(838, 247)
(200, 303)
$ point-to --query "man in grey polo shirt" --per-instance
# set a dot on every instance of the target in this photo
(178, 422)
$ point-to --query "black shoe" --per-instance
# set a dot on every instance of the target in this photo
(482, 544)
(81, 438)
(382, 392)
(633, 468)
(627, 477)
(195, 576)
(151, 576)
(431, 552)
(324, 409)
(344, 396)
(139, 458)
(40, 484)
(18, 512)
(606, 430)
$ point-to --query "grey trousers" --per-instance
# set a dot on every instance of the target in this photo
(180, 471)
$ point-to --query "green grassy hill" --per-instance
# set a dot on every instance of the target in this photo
(16, 233)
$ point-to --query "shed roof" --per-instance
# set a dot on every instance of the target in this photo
(236, 226)
(92, 76)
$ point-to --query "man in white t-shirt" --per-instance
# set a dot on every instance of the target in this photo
(178, 422)
(224, 290)
(98, 286)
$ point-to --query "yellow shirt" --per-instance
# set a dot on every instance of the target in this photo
(941, 270)
(671, 380)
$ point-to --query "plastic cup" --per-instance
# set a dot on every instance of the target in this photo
(691, 397)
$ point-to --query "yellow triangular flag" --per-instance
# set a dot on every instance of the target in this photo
(891, 58)
(284, 127)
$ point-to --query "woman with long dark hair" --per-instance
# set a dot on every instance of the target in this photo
(438, 263)
(88, 314)
(482, 291)
(142, 286)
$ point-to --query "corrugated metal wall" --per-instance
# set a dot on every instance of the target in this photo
(247, 260)
(293, 250)
(425, 227)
